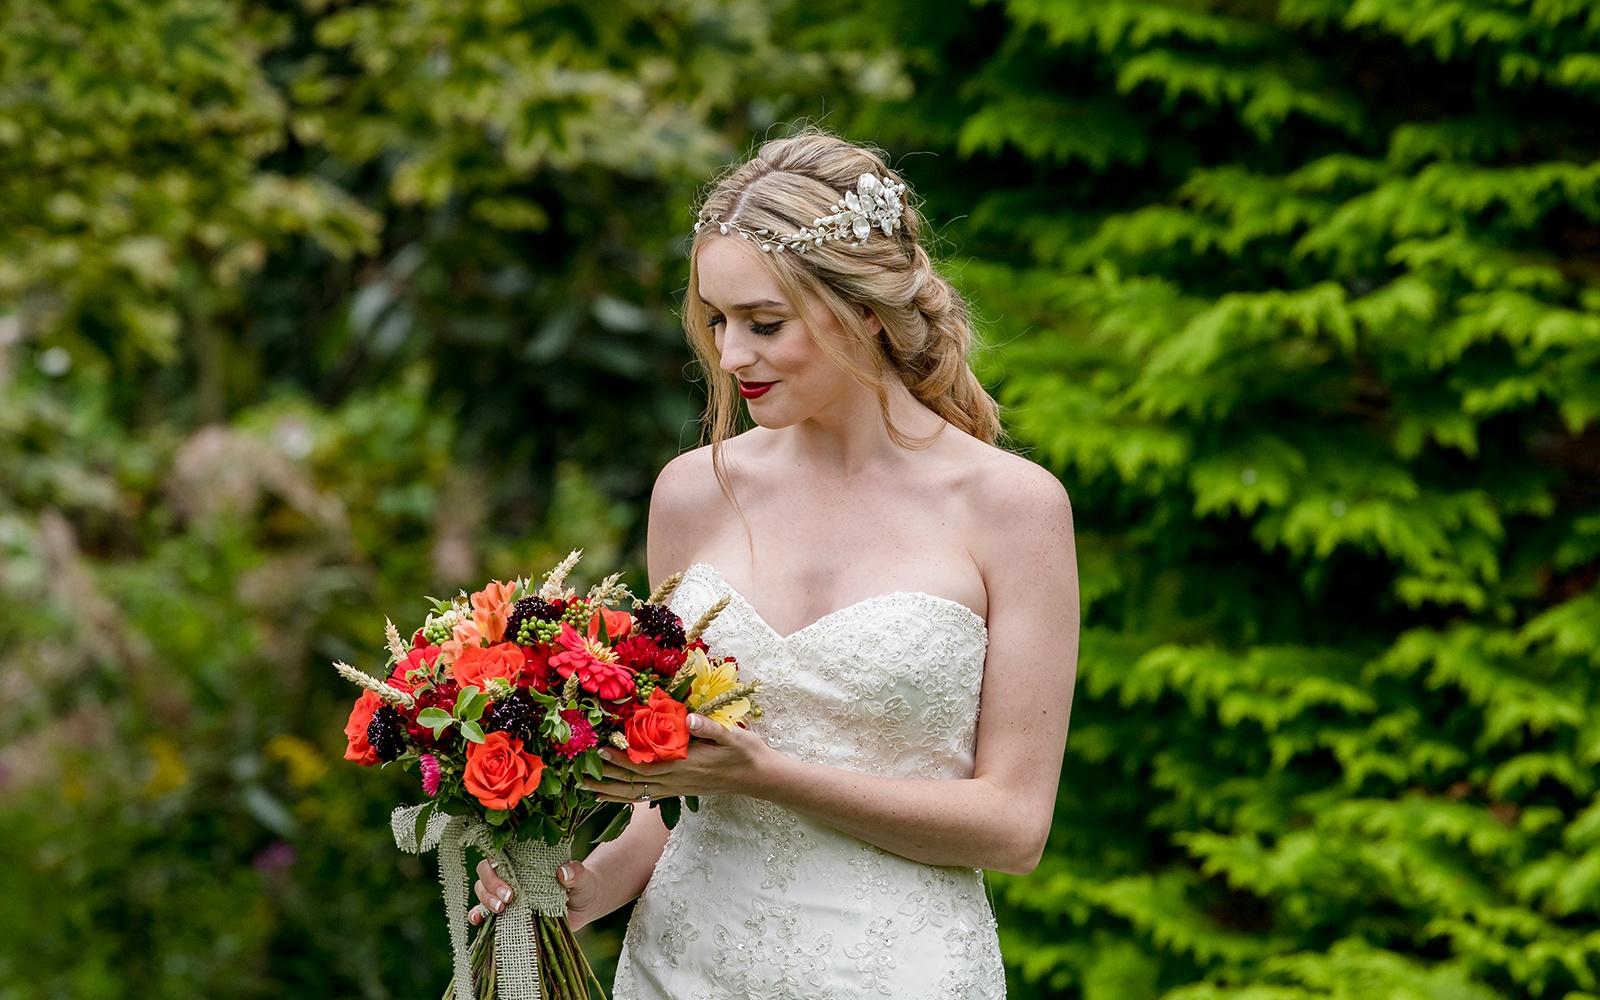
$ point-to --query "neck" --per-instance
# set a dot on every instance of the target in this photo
(849, 437)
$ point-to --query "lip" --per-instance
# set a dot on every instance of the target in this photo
(750, 390)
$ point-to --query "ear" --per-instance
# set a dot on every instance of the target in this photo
(871, 318)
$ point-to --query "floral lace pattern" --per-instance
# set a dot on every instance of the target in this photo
(750, 899)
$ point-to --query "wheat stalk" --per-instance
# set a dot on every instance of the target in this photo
(729, 696)
(553, 580)
(665, 588)
(607, 589)
(392, 695)
(707, 618)
(397, 649)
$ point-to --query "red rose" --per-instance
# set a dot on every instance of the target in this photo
(476, 664)
(442, 695)
(619, 712)
(355, 731)
(499, 773)
(641, 652)
(536, 667)
(659, 730)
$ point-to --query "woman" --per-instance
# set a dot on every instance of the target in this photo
(893, 577)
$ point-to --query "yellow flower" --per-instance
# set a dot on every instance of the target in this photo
(708, 681)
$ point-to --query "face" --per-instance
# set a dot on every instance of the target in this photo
(761, 339)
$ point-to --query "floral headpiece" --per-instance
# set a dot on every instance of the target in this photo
(874, 203)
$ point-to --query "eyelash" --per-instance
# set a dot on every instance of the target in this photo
(762, 329)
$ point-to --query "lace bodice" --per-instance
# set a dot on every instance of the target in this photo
(750, 899)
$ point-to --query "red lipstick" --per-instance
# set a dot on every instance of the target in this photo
(750, 390)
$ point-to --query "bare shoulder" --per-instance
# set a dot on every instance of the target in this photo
(686, 506)
(1020, 511)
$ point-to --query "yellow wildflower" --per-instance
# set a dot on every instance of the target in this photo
(708, 681)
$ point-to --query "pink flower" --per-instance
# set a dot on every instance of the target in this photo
(430, 773)
(599, 673)
(583, 737)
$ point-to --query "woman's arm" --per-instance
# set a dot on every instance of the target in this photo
(622, 867)
(1000, 817)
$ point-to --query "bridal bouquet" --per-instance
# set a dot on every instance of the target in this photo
(499, 703)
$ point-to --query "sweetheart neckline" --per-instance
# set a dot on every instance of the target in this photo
(962, 609)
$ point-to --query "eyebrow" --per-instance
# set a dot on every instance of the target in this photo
(747, 306)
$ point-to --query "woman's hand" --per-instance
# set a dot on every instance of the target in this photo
(494, 895)
(720, 761)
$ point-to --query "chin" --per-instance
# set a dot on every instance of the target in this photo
(771, 422)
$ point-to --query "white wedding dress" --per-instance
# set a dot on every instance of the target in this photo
(752, 900)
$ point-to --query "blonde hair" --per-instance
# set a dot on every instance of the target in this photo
(927, 333)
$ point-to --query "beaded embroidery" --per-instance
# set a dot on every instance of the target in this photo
(750, 899)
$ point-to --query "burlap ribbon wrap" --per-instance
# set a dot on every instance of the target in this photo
(530, 870)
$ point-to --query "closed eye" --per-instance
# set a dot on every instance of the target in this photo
(764, 329)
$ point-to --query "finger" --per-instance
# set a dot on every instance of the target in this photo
(618, 765)
(627, 791)
(492, 881)
(605, 797)
(568, 873)
(705, 729)
(489, 897)
(616, 773)
(476, 915)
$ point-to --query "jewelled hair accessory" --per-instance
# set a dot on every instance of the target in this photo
(875, 203)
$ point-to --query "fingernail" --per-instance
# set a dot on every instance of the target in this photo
(504, 892)
(694, 722)
(498, 906)
(565, 873)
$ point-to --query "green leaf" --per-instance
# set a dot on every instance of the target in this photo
(472, 731)
(693, 802)
(671, 809)
(464, 701)
(496, 817)
(590, 762)
(436, 719)
(618, 823)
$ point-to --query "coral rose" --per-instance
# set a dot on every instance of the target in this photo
(618, 623)
(659, 730)
(499, 772)
(475, 665)
(355, 731)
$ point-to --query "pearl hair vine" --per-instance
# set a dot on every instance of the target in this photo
(875, 203)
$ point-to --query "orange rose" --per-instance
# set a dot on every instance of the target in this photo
(355, 731)
(659, 730)
(475, 664)
(499, 772)
(617, 623)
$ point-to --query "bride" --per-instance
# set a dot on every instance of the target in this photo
(905, 591)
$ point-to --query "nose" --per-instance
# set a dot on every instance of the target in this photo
(738, 349)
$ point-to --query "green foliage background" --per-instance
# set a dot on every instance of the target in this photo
(309, 308)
